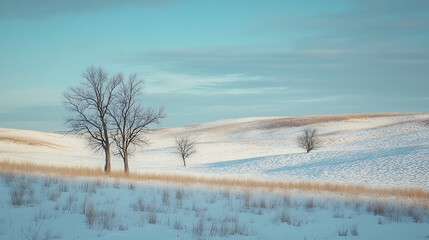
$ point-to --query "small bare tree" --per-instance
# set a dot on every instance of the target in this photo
(309, 139)
(130, 118)
(185, 147)
(88, 105)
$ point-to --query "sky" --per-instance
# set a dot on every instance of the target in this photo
(217, 59)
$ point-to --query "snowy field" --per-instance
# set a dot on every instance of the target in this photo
(381, 151)
(389, 151)
(42, 207)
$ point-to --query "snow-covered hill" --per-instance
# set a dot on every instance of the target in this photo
(374, 149)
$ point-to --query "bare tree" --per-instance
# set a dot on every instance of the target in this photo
(130, 118)
(309, 139)
(88, 105)
(185, 147)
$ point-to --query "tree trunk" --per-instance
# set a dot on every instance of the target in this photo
(107, 165)
(107, 149)
(126, 161)
(184, 162)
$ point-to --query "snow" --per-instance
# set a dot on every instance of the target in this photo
(54, 208)
(379, 151)
(376, 151)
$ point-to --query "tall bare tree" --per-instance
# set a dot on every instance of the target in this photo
(88, 105)
(309, 139)
(130, 118)
(185, 147)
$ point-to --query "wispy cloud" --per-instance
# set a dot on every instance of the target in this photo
(230, 60)
(232, 84)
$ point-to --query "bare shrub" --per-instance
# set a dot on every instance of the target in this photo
(63, 186)
(274, 203)
(47, 182)
(228, 225)
(153, 217)
(242, 229)
(394, 213)
(71, 203)
(185, 147)
(100, 183)
(166, 197)
(224, 229)
(89, 187)
(197, 209)
(417, 216)
(376, 207)
(84, 203)
(178, 224)
(54, 194)
(337, 210)
(122, 227)
(309, 204)
(180, 193)
(17, 194)
(309, 139)
(344, 231)
(90, 214)
(338, 214)
(22, 192)
(139, 205)
(259, 203)
(198, 228)
(285, 217)
(230, 218)
(286, 199)
(245, 196)
(354, 230)
(107, 218)
(225, 192)
(357, 205)
(214, 230)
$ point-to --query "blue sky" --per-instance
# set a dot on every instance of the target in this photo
(209, 60)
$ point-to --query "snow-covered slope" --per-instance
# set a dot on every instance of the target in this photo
(382, 150)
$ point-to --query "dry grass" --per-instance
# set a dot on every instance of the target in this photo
(418, 194)
(29, 141)
(307, 120)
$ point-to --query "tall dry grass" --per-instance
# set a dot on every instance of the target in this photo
(418, 194)
(315, 119)
(29, 141)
